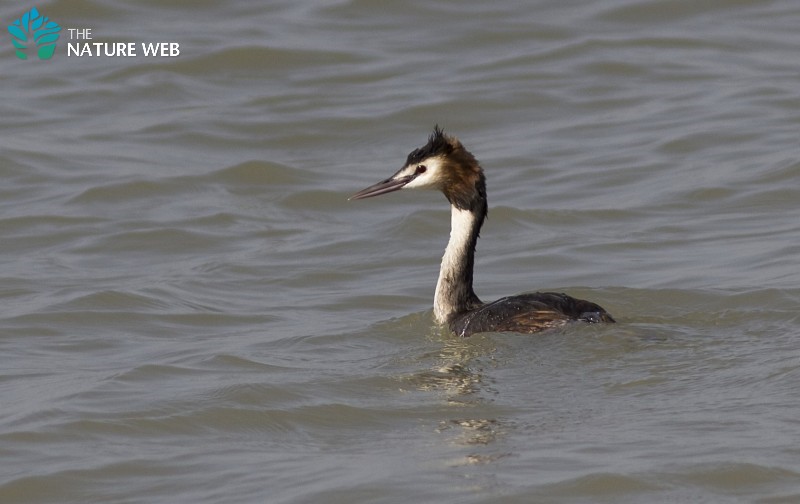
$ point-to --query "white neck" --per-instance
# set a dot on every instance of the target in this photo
(454, 292)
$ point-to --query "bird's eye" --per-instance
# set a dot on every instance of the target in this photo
(421, 169)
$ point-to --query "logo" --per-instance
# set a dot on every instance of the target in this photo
(34, 29)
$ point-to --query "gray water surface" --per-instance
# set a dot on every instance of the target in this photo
(192, 311)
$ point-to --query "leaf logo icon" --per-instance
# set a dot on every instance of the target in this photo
(32, 27)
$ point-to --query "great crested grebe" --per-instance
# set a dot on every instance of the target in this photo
(444, 164)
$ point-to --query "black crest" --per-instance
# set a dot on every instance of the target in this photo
(438, 144)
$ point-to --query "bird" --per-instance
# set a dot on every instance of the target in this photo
(444, 164)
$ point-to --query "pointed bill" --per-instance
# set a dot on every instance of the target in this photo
(386, 186)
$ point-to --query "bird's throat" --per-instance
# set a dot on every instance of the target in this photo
(454, 292)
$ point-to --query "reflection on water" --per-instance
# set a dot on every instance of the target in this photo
(458, 375)
(457, 372)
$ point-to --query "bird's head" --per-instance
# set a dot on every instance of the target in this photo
(443, 164)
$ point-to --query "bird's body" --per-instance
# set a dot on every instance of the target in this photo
(444, 164)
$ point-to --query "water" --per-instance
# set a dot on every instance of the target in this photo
(193, 312)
